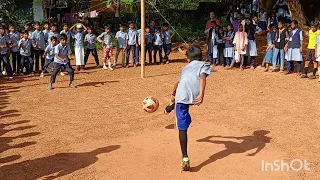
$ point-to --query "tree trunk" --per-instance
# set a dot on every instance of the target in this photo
(297, 12)
(117, 14)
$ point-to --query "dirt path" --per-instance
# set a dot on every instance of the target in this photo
(99, 131)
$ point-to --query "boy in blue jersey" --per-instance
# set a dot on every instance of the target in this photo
(188, 91)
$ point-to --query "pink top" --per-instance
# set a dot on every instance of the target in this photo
(208, 25)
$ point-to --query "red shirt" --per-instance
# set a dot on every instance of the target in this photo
(208, 25)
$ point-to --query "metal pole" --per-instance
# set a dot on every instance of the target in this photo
(143, 42)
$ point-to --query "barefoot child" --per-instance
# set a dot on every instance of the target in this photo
(311, 55)
(106, 39)
(91, 40)
(49, 55)
(189, 90)
(271, 35)
(221, 46)
(229, 49)
(132, 45)
(167, 43)
(61, 59)
(240, 42)
(294, 52)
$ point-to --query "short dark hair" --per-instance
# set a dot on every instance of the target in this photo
(36, 23)
(54, 38)
(45, 23)
(213, 22)
(53, 24)
(65, 24)
(295, 22)
(63, 37)
(2, 27)
(26, 32)
(194, 53)
(28, 24)
(165, 25)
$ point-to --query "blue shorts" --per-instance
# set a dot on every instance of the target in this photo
(183, 116)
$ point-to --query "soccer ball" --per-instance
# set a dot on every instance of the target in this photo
(150, 104)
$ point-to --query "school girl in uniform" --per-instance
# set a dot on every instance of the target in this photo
(229, 49)
(271, 36)
(294, 53)
(212, 43)
(251, 31)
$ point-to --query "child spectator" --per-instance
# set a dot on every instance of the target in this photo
(212, 44)
(158, 43)
(61, 59)
(53, 32)
(132, 45)
(240, 42)
(91, 40)
(318, 52)
(106, 38)
(263, 20)
(67, 32)
(38, 45)
(271, 36)
(14, 48)
(251, 30)
(78, 36)
(49, 54)
(273, 20)
(149, 45)
(229, 49)
(25, 46)
(28, 27)
(4, 51)
(221, 46)
(294, 52)
(167, 46)
(46, 31)
(121, 37)
(311, 55)
(280, 43)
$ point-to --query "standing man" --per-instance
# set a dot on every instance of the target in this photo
(212, 18)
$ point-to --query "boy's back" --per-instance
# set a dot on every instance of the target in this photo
(189, 82)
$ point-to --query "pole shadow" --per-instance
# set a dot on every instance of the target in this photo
(257, 140)
(51, 167)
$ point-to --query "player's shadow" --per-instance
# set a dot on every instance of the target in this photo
(95, 84)
(55, 166)
(256, 141)
(170, 126)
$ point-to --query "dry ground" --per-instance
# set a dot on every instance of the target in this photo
(99, 131)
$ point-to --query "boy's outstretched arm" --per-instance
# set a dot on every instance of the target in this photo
(203, 81)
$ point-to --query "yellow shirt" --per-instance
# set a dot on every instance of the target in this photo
(313, 39)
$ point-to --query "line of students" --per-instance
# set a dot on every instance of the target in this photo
(288, 45)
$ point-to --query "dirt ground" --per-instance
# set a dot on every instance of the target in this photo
(99, 130)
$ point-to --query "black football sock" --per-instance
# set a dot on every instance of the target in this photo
(306, 70)
(315, 71)
(183, 142)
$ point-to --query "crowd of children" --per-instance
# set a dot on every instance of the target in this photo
(36, 48)
(284, 44)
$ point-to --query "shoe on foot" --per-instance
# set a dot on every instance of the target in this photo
(62, 74)
(304, 76)
(42, 75)
(110, 68)
(312, 77)
(105, 67)
(72, 86)
(50, 87)
(185, 165)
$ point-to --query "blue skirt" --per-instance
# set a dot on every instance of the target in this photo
(269, 56)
